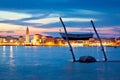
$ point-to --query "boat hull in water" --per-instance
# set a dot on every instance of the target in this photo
(84, 36)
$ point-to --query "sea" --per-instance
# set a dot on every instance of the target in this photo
(55, 63)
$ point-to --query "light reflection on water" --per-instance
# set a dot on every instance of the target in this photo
(4, 51)
(54, 63)
(11, 61)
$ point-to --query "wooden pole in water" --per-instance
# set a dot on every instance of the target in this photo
(71, 49)
(99, 40)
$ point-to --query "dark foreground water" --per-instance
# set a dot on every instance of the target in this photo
(55, 63)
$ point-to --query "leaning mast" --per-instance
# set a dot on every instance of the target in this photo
(99, 40)
(71, 49)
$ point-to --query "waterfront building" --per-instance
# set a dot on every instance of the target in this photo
(1, 39)
(43, 38)
(49, 40)
(21, 40)
(59, 41)
(36, 39)
(117, 41)
(10, 39)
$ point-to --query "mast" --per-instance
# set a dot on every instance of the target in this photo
(99, 40)
(71, 49)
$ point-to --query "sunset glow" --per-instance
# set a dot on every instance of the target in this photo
(42, 17)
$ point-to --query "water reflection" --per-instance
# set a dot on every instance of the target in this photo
(11, 51)
(4, 51)
(55, 63)
(11, 56)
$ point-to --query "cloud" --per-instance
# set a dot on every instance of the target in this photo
(103, 32)
(88, 12)
(78, 19)
(7, 32)
(10, 29)
(54, 15)
(56, 19)
(8, 15)
(108, 31)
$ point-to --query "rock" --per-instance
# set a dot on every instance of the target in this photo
(86, 59)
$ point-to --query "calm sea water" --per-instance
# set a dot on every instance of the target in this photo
(55, 63)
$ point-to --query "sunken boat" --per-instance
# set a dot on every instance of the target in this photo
(73, 36)
(85, 59)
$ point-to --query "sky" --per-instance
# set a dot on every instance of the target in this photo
(42, 17)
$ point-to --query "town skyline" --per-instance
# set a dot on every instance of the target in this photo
(44, 40)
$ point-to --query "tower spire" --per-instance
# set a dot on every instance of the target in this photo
(27, 35)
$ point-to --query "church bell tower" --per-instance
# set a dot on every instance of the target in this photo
(27, 35)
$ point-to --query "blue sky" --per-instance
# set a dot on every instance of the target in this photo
(42, 16)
